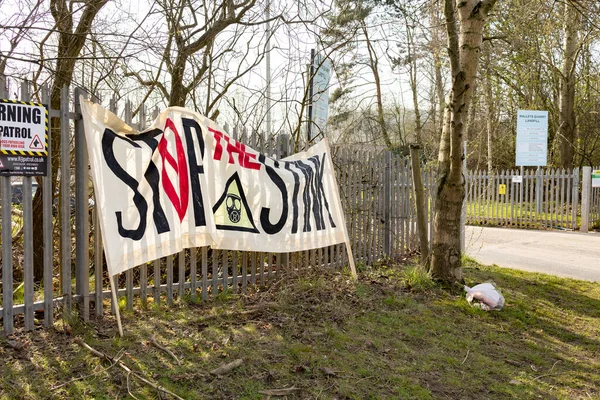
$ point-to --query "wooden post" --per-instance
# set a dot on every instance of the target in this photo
(116, 303)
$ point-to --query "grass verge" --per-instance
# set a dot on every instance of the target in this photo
(389, 335)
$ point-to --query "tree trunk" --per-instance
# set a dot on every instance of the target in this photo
(70, 44)
(178, 90)
(420, 204)
(566, 130)
(418, 189)
(374, 65)
(464, 47)
(490, 120)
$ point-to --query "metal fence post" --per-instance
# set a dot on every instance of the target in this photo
(7, 267)
(538, 192)
(47, 222)
(65, 201)
(82, 220)
(575, 197)
(27, 236)
(586, 187)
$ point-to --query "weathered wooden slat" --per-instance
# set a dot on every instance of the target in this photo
(169, 280)
(430, 198)
(411, 208)
(193, 273)
(181, 270)
(261, 267)
(234, 272)
(394, 207)
(402, 206)
(244, 272)
(225, 269)
(253, 257)
(157, 278)
(215, 271)
(360, 227)
(204, 251)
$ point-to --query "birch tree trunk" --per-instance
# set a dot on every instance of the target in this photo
(566, 130)
(464, 47)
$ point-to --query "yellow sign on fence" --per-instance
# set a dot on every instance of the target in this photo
(502, 189)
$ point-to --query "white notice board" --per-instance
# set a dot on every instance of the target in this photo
(532, 138)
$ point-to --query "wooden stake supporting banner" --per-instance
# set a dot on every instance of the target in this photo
(116, 303)
(351, 258)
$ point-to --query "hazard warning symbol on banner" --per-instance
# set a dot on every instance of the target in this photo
(231, 211)
(36, 143)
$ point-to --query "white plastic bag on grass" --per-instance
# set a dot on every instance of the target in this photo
(488, 296)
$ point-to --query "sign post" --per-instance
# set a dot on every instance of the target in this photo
(318, 108)
(23, 138)
(532, 145)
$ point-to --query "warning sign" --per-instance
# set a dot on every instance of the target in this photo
(23, 138)
(36, 144)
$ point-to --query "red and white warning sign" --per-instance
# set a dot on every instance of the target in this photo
(23, 128)
(36, 143)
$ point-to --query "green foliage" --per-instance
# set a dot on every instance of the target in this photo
(418, 278)
(331, 337)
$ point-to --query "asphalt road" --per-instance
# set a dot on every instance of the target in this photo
(568, 254)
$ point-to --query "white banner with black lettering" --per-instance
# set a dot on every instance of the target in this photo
(183, 182)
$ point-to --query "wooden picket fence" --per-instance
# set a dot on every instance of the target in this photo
(378, 200)
(544, 198)
(376, 192)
